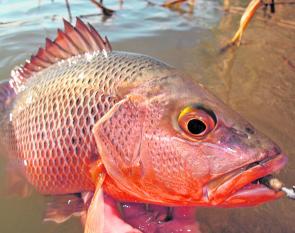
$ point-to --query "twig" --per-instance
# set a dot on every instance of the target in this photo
(248, 14)
(69, 10)
(106, 11)
(175, 5)
(245, 20)
(281, 22)
(172, 3)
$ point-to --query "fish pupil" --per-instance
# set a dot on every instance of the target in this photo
(196, 126)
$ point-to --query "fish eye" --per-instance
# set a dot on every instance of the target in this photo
(196, 122)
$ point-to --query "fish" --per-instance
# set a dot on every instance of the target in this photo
(79, 118)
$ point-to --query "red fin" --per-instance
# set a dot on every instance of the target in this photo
(61, 208)
(73, 41)
(86, 33)
(39, 62)
(76, 37)
(95, 217)
(103, 216)
(46, 56)
(56, 50)
(65, 42)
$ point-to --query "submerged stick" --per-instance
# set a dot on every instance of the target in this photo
(277, 185)
(106, 11)
(69, 10)
(175, 5)
(245, 20)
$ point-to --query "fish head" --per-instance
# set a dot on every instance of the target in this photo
(177, 144)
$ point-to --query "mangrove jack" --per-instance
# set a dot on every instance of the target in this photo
(79, 118)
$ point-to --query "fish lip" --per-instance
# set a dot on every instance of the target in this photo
(242, 178)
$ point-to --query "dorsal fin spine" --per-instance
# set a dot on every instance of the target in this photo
(72, 41)
(87, 34)
(31, 66)
(45, 55)
(76, 37)
(39, 62)
(85, 47)
(108, 44)
(97, 36)
(65, 42)
(55, 50)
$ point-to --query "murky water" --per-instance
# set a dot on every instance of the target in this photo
(257, 80)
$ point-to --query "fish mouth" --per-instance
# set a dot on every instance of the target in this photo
(243, 186)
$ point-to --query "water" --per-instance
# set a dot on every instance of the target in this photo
(257, 80)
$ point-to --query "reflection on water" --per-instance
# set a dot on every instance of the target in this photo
(256, 79)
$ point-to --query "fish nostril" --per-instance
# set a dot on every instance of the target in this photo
(250, 130)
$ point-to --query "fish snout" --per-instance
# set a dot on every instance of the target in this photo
(271, 152)
(254, 156)
(246, 139)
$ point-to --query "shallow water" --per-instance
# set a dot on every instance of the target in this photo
(257, 80)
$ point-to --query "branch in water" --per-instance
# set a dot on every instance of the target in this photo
(245, 20)
(106, 11)
(69, 10)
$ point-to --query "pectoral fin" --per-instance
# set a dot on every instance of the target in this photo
(95, 215)
(103, 216)
(61, 208)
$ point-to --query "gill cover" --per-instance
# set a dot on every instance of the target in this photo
(142, 154)
(118, 137)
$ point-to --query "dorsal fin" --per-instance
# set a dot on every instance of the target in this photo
(74, 40)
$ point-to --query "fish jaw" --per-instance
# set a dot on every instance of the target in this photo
(240, 188)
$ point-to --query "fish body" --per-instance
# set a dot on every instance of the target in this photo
(79, 117)
(53, 117)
